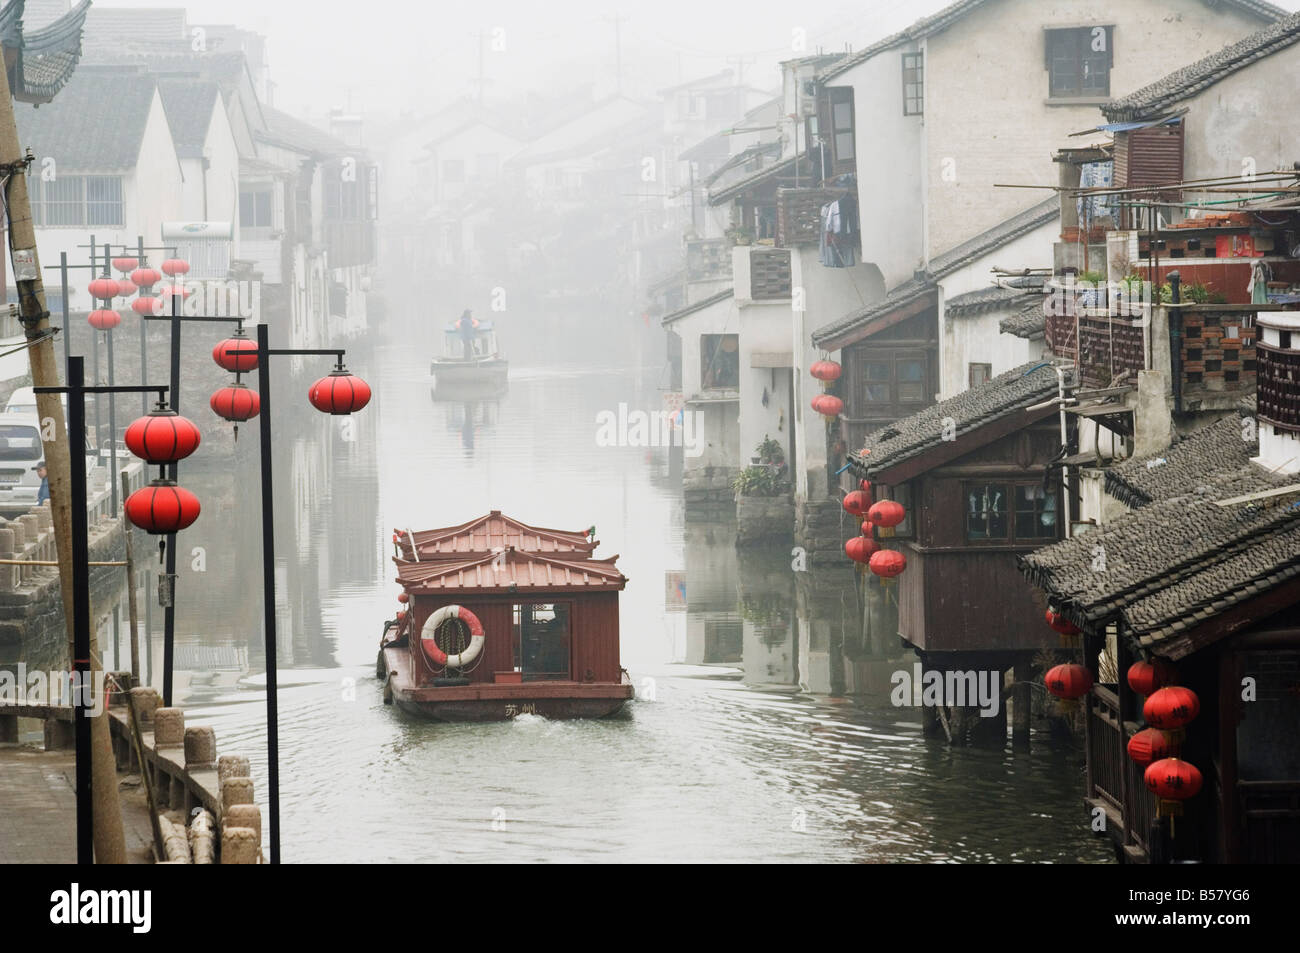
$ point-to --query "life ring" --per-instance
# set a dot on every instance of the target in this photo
(436, 655)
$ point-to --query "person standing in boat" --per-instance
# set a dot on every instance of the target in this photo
(466, 326)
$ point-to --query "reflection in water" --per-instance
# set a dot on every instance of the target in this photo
(759, 733)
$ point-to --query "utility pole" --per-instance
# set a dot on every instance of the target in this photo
(618, 51)
(109, 839)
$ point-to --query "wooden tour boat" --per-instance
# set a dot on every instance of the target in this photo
(503, 619)
(471, 360)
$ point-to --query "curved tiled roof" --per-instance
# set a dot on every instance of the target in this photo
(984, 300)
(1156, 98)
(515, 571)
(1181, 559)
(491, 533)
(1027, 321)
(44, 58)
(1008, 393)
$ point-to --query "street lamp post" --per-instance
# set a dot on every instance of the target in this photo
(77, 391)
(362, 396)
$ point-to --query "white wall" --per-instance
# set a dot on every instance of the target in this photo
(718, 418)
(986, 100)
(1239, 118)
(888, 146)
(828, 295)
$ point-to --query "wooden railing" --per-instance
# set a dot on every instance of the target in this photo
(798, 214)
(1116, 779)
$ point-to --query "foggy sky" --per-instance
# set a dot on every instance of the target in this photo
(404, 55)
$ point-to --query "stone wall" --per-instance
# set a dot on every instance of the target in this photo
(708, 494)
(822, 528)
(764, 519)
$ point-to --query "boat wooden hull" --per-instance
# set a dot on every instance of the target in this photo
(492, 701)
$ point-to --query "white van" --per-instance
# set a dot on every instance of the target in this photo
(20, 452)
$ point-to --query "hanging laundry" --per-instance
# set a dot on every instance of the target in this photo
(1094, 175)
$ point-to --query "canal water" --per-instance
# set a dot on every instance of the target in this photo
(756, 735)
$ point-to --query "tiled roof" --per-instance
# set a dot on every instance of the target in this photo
(1156, 98)
(1027, 321)
(1008, 393)
(984, 300)
(188, 104)
(97, 122)
(291, 133)
(951, 14)
(748, 181)
(494, 532)
(697, 306)
(954, 258)
(44, 57)
(1180, 559)
(1210, 451)
(513, 571)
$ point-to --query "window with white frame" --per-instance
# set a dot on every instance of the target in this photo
(77, 200)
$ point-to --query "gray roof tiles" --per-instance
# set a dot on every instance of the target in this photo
(1180, 557)
(1008, 393)
(96, 123)
(1156, 98)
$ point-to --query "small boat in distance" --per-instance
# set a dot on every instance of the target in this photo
(471, 359)
(502, 619)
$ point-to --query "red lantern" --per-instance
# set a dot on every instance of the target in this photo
(826, 371)
(402, 597)
(856, 503)
(245, 360)
(1070, 681)
(1149, 745)
(175, 266)
(1171, 708)
(162, 507)
(867, 527)
(1061, 624)
(163, 436)
(1173, 781)
(235, 402)
(865, 486)
(104, 319)
(176, 290)
(125, 288)
(340, 393)
(886, 513)
(1145, 678)
(125, 264)
(103, 288)
(145, 277)
(860, 549)
(887, 563)
(828, 405)
(401, 615)
(146, 305)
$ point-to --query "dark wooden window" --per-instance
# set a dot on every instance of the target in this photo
(902, 494)
(1079, 61)
(720, 361)
(891, 382)
(841, 123)
(1035, 512)
(1004, 511)
(541, 640)
(987, 511)
(913, 84)
(978, 374)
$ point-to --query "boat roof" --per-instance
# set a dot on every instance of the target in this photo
(511, 571)
(482, 326)
(491, 534)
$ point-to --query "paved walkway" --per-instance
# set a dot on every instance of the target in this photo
(38, 809)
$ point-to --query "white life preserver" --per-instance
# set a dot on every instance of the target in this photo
(436, 655)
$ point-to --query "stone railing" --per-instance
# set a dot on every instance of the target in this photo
(213, 793)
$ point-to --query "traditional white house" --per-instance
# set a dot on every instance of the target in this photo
(106, 166)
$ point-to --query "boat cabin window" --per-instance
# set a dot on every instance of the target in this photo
(541, 640)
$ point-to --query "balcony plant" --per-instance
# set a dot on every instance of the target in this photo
(766, 476)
